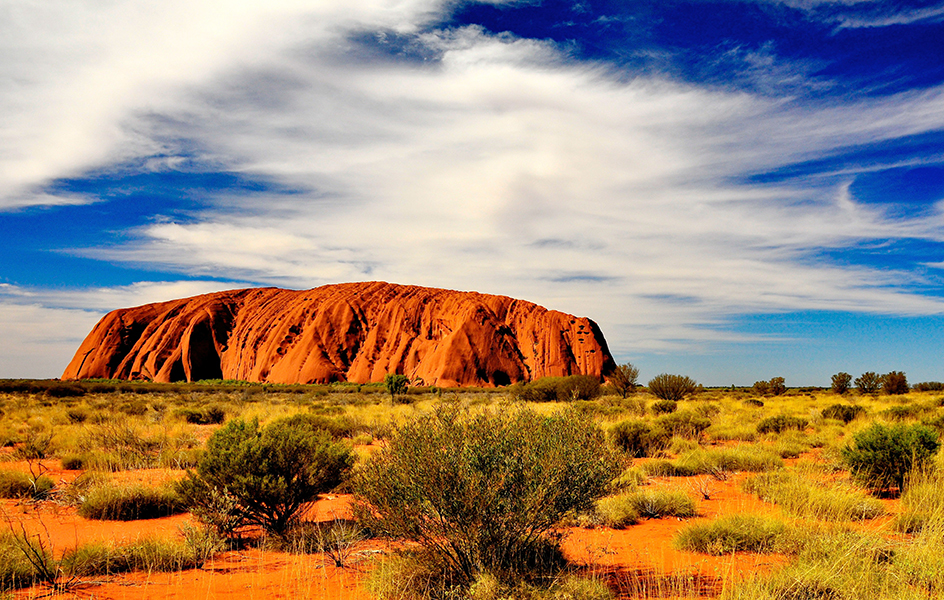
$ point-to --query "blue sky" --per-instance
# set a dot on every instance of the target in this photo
(733, 190)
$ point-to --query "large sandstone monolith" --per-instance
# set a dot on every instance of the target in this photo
(355, 332)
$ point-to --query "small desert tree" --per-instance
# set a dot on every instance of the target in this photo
(396, 385)
(841, 382)
(881, 457)
(895, 383)
(263, 476)
(624, 379)
(868, 383)
(672, 387)
(481, 492)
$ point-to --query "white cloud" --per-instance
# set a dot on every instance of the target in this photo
(43, 327)
(500, 166)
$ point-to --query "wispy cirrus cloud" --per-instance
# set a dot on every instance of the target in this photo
(456, 157)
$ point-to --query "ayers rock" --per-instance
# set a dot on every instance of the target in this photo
(354, 332)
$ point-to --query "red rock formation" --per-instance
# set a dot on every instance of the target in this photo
(355, 332)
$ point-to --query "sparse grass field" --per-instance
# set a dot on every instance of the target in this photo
(703, 489)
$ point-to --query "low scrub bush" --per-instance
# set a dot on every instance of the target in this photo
(928, 386)
(638, 438)
(843, 412)
(481, 492)
(672, 387)
(664, 407)
(263, 476)
(20, 485)
(882, 457)
(211, 415)
(684, 423)
(734, 533)
(129, 502)
(558, 389)
(780, 423)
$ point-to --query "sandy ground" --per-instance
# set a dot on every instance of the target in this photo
(639, 560)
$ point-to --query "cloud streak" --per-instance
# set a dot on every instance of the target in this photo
(476, 161)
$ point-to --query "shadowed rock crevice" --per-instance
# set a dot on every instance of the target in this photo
(356, 332)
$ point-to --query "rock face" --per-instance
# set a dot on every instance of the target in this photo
(356, 332)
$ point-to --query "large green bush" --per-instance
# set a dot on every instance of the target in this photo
(672, 387)
(263, 476)
(881, 457)
(481, 492)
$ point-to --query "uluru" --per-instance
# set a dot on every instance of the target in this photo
(355, 332)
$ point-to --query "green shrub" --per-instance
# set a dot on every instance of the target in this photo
(684, 423)
(733, 533)
(895, 383)
(928, 386)
(881, 457)
(480, 492)
(638, 438)
(111, 502)
(664, 407)
(265, 475)
(780, 423)
(672, 387)
(841, 382)
(843, 412)
(17, 484)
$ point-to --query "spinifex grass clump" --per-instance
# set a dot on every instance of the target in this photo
(17, 484)
(144, 554)
(734, 533)
(804, 497)
(16, 570)
(129, 502)
(626, 509)
(481, 492)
